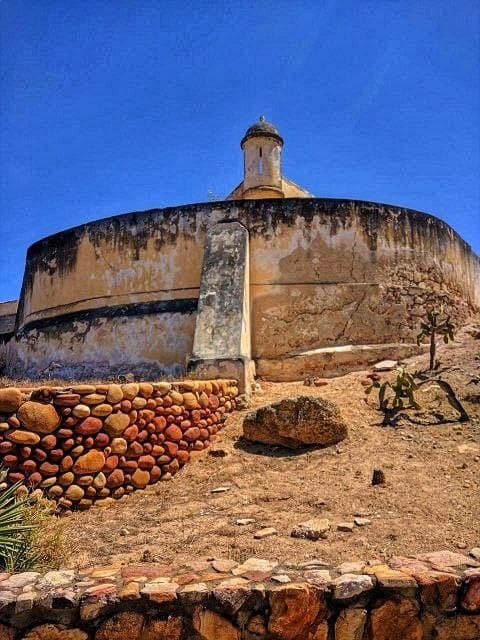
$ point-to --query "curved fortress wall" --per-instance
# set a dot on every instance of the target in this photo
(121, 294)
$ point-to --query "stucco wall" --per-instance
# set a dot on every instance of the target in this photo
(122, 293)
(334, 272)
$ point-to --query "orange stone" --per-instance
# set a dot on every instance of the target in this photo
(38, 417)
(23, 437)
(140, 479)
(127, 625)
(294, 608)
(90, 462)
(212, 626)
(170, 629)
(395, 619)
(10, 399)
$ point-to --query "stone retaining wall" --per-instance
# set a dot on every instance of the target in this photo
(96, 442)
(432, 596)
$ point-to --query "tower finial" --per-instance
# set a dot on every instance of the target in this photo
(262, 118)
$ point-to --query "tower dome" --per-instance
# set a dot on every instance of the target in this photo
(260, 129)
(262, 147)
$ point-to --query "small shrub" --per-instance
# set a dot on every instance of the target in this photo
(432, 326)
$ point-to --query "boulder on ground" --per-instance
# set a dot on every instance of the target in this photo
(296, 422)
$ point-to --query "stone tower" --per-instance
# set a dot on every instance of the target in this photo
(262, 166)
(262, 161)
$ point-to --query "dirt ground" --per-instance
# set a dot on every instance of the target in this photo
(431, 499)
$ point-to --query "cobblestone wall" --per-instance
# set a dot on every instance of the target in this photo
(432, 596)
(98, 442)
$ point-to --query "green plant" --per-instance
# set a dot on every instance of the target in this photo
(432, 326)
(403, 389)
(29, 535)
(14, 529)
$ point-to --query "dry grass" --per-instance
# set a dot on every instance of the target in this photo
(430, 501)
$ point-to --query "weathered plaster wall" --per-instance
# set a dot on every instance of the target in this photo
(329, 272)
(117, 295)
(322, 273)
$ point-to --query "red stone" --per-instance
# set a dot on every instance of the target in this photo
(56, 455)
(130, 433)
(71, 421)
(213, 401)
(183, 456)
(39, 454)
(5, 447)
(25, 452)
(16, 477)
(48, 442)
(146, 462)
(171, 448)
(143, 436)
(66, 399)
(111, 463)
(170, 419)
(68, 444)
(129, 465)
(10, 460)
(174, 433)
(88, 442)
(35, 479)
(183, 444)
(196, 415)
(101, 440)
(134, 450)
(89, 426)
(150, 571)
(126, 406)
(48, 469)
(66, 464)
(28, 467)
(155, 474)
(192, 434)
(173, 467)
(115, 479)
(185, 424)
(204, 434)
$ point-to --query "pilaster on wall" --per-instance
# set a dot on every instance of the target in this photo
(222, 331)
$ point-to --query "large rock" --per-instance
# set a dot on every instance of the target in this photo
(296, 422)
(38, 417)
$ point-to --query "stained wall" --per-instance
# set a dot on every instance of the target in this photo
(121, 294)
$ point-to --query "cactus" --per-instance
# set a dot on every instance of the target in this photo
(432, 326)
(403, 388)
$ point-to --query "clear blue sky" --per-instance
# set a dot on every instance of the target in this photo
(109, 106)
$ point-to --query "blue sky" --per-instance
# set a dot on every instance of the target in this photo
(112, 106)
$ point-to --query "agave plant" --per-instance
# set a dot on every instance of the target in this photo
(14, 528)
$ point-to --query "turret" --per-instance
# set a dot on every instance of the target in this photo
(262, 161)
